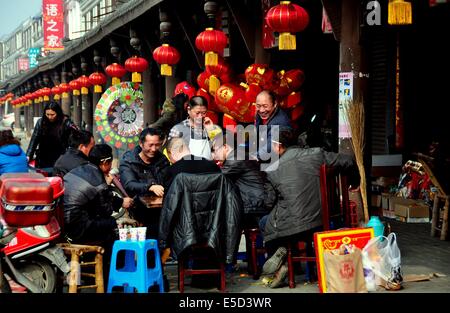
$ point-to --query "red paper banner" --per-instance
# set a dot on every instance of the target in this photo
(53, 24)
(24, 64)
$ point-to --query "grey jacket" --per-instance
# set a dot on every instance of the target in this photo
(294, 190)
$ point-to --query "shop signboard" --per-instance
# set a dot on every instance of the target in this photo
(53, 24)
(23, 64)
(32, 57)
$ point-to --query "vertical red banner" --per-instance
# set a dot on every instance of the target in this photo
(53, 24)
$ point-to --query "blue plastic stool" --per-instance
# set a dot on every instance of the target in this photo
(135, 272)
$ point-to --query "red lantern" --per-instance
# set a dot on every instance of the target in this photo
(211, 102)
(251, 92)
(136, 65)
(217, 72)
(166, 56)
(212, 42)
(186, 88)
(203, 80)
(291, 100)
(97, 79)
(213, 116)
(85, 84)
(287, 18)
(116, 71)
(297, 112)
(76, 86)
(289, 81)
(229, 123)
(230, 99)
(46, 92)
(56, 91)
(261, 75)
(65, 89)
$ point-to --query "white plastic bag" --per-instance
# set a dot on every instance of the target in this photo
(382, 263)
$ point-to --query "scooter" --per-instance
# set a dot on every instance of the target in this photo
(28, 251)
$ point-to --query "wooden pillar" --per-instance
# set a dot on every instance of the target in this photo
(66, 99)
(17, 126)
(86, 111)
(95, 99)
(171, 82)
(76, 110)
(150, 98)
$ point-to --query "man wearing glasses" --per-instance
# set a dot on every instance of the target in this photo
(198, 129)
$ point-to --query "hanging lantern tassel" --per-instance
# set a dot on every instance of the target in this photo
(46, 98)
(115, 81)
(56, 97)
(136, 77)
(65, 95)
(287, 41)
(84, 90)
(166, 70)
(97, 88)
(76, 92)
(211, 58)
(214, 84)
(399, 12)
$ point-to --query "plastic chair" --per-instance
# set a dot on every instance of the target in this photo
(136, 273)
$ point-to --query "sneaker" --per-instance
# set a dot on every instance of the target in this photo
(280, 277)
(274, 262)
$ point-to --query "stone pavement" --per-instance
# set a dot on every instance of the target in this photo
(420, 254)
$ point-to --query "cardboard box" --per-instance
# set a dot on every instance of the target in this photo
(389, 214)
(376, 201)
(393, 201)
(417, 212)
(385, 197)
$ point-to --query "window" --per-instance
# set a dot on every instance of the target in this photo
(94, 16)
(102, 8)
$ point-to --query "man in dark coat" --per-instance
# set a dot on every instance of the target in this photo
(294, 191)
(184, 162)
(245, 174)
(80, 144)
(141, 173)
(268, 115)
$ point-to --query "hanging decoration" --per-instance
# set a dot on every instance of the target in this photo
(119, 115)
(218, 73)
(166, 56)
(84, 84)
(65, 89)
(76, 86)
(186, 88)
(230, 99)
(136, 65)
(116, 71)
(97, 79)
(399, 12)
(287, 18)
(212, 42)
(56, 91)
(261, 75)
(46, 92)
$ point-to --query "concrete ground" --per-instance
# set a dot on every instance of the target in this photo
(420, 254)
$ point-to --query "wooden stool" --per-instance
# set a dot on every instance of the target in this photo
(76, 251)
(302, 257)
(251, 237)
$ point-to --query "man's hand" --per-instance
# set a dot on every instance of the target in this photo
(127, 203)
(157, 189)
(108, 179)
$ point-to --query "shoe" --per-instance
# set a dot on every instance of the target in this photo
(280, 277)
(274, 262)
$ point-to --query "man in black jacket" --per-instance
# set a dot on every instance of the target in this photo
(245, 173)
(80, 144)
(184, 162)
(141, 172)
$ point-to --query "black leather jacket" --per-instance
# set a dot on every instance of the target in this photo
(137, 176)
(249, 180)
(201, 208)
(68, 161)
(87, 201)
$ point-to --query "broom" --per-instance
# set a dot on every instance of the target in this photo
(354, 115)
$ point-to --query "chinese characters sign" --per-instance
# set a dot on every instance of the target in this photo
(32, 56)
(23, 64)
(53, 19)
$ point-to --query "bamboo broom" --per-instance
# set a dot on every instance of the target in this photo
(354, 115)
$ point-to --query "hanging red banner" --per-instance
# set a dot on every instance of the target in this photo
(326, 24)
(53, 24)
(268, 38)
